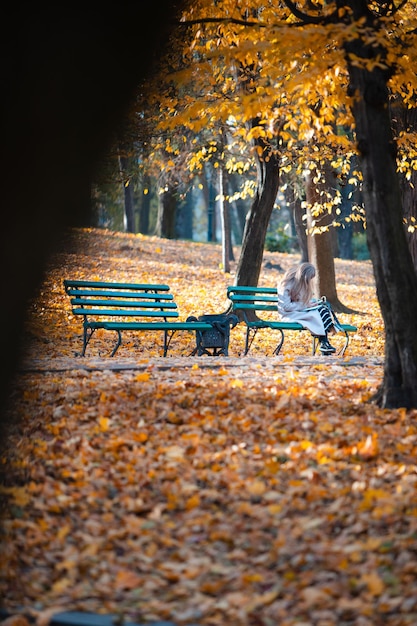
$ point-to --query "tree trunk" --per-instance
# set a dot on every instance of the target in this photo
(129, 213)
(293, 200)
(406, 120)
(145, 206)
(225, 221)
(240, 209)
(409, 201)
(320, 245)
(184, 227)
(396, 280)
(209, 194)
(165, 226)
(257, 219)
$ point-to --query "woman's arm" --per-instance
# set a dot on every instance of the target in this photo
(285, 304)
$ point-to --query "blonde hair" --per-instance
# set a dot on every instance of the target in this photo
(298, 281)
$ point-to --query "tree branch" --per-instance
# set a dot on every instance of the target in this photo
(220, 20)
(309, 19)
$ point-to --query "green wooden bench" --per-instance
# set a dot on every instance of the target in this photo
(250, 302)
(127, 307)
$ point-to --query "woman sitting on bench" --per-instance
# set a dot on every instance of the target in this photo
(296, 304)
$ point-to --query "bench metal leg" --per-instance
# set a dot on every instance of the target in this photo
(119, 341)
(249, 339)
(279, 345)
(343, 350)
(168, 335)
(88, 333)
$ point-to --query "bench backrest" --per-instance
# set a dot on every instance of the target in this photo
(253, 298)
(105, 299)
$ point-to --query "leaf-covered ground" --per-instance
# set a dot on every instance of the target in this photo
(256, 490)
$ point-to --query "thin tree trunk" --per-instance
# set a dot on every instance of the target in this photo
(165, 226)
(294, 202)
(145, 206)
(257, 219)
(209, 192)
(240, 208)
(129, 212)
(225, 221)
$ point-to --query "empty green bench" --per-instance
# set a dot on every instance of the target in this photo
(250, 302)
(122, 307)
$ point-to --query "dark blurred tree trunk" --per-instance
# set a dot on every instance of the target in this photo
(70, 79)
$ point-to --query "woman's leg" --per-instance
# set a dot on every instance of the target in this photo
(325, 346)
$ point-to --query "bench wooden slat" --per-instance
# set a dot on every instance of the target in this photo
(190, 326)
(110, 285)
(252, 306)
(253, 298)
(126, 312)
(145, 304)
(107, 293)
(236, 289)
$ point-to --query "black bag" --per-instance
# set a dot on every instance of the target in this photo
(215, 339)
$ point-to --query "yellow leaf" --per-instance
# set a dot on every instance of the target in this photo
(252, 578)
(127, 579)
(368, 449)
(192, 502)
(274, 509)
(140, 378)
(374, 583)
(141, 437)
(63, 532)
(256, 488)
(104, 423)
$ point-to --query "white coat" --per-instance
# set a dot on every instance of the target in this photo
(307, 316)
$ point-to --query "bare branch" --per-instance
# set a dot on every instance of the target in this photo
(309, 19)
(221, 20)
